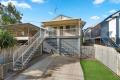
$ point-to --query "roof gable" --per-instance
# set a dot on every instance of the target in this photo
(61, 17)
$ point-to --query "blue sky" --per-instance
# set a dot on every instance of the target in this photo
(91, 11)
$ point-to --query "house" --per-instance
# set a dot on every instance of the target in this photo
(108, 31)
(60, 35)
(64, 34)
(88, 37)
(22, 32)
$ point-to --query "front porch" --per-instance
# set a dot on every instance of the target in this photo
(64, 31)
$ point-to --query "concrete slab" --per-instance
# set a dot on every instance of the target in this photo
(53, 67)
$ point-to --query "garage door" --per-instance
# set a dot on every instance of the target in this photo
(49, 44)
(69, 47)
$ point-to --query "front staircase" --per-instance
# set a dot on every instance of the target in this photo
(24, 54)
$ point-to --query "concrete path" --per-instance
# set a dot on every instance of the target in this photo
(53, 67)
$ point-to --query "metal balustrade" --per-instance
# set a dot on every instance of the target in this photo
(64, 32)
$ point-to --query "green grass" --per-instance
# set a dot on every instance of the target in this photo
(94, 70)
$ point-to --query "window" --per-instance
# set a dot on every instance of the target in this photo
(61, 27)
(67, 27)
(22, 33)
(72, 27)
(55, 27)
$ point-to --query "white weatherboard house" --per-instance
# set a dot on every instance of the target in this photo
(59, 36)
(64, 34)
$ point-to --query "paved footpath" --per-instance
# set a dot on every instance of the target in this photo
(53, 67)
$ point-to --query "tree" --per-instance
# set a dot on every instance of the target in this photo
(14, 13)
(9, 14)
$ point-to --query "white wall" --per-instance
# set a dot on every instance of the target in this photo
(112, 28)
(119, 26)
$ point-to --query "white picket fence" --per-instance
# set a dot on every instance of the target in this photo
(109, 57)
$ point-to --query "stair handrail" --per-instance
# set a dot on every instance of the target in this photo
(27, 44)
(44, 36)
(114, 43)
(111, 42)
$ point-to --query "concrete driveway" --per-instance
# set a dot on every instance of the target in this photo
(53, 67)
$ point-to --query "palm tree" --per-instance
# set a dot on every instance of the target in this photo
(6, 41)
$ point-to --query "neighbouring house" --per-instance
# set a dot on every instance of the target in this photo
(64, 34)
(22, 32)
(88, 38)
(106, 32)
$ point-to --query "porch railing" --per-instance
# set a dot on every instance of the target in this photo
(64, 32)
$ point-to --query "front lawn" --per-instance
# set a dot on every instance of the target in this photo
(94, 70)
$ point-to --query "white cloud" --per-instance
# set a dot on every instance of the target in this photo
(24, 5)
(98, 1)
(50, 13)
(115, 1)
(112, 11)
(95, 17)
(38, 1)
(17, 4)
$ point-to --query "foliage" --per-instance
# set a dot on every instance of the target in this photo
(9, 14)
(6, 39)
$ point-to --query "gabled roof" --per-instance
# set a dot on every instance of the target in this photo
(112, 16)
(61, 17)
(109, 17)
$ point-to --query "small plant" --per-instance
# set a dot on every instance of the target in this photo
(6, 39)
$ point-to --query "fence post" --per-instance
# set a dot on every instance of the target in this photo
(2, 72)
(117, 64)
